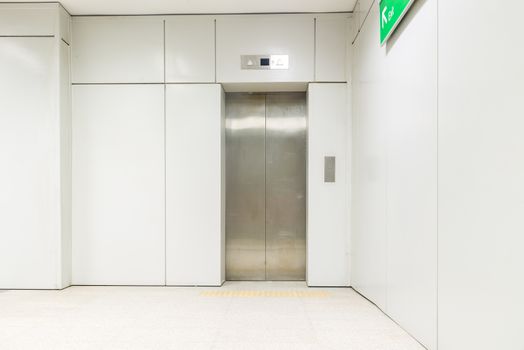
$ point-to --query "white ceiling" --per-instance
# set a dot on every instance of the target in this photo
(120, 7)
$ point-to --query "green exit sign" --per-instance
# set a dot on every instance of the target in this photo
(391, 13)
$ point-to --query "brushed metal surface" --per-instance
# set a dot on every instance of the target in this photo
(329, 168)
(286, 186)
(272, 62)
(266, 186)
(245, 187)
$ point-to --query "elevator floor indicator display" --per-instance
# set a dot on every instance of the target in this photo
(391, 13)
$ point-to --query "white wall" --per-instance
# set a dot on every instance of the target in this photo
(118, 50)
(481, 172)
(327, 233)
(292, 35)
(28, 19)
(65, 112)
(34, 127)
(118, 185)
(368, 234)
(116, 163)
(331, 43)
(478, 180)
(120, 157)
(29, 205)
(190, 58)
(114, 156)
(113, 121)
(194, 177)
(394, 207)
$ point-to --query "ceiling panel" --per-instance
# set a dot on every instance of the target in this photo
(118, 7)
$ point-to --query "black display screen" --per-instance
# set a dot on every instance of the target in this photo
(264, 61)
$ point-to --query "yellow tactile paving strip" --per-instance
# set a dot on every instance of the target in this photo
(265, 294)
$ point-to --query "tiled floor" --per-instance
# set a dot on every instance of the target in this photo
(243, 315)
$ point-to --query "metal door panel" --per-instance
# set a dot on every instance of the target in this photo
(245, 187)
(286, 186)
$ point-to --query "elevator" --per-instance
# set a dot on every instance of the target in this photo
(266, 143)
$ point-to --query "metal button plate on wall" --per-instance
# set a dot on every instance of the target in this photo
(329, 169)
(264, 62)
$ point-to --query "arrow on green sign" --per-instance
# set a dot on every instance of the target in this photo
(391, 13)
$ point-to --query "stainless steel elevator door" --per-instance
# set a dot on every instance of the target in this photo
(245, 187)
(286, 186)
(266, 186)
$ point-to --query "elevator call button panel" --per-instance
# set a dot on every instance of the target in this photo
(329, 169)
(264, 62)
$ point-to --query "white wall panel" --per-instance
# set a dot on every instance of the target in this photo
(65, 160)
(291, 35)
(190, 49)
(118, 184)
(194, 222)
(481, 172)
(368, 228)
(118, 50)
(28, 19)
(355, 23)
(327, 236)
(30, 161)
(361, 11)
(365, 7)
(64, 24)
(395, 173)
(330, 47)
(411, 171)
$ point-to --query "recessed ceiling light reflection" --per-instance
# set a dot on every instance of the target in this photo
(287, 124)
(246, 123)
